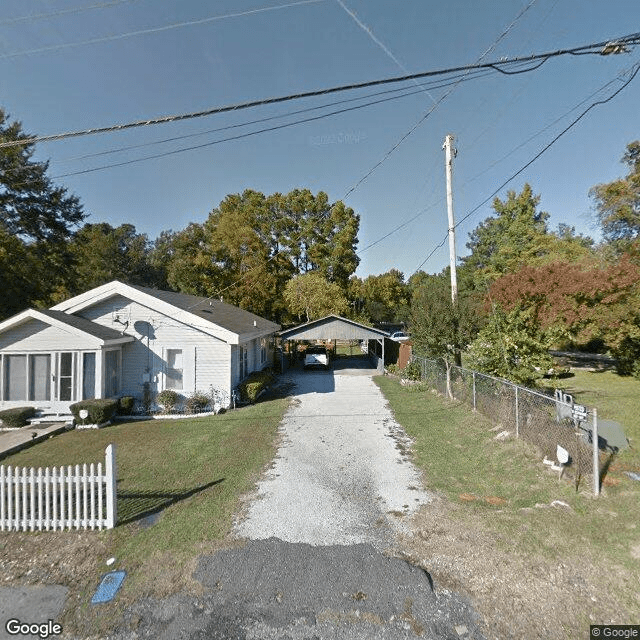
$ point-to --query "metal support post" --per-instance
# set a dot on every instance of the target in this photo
(596, 456)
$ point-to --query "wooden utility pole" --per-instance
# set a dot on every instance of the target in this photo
(450, 153)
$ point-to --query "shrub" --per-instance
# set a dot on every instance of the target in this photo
(100, 410)
(125, 405)
(168, 399)
(251, 388)
(196, 402)
(413, 371)
(393, 369)
(16, 417)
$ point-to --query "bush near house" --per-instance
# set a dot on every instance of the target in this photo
(251, 388)
(100, 410)
(16, 417)
(125, 405)
(196, 402)
(168, 399)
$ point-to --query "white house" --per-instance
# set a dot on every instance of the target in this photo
(110, 341)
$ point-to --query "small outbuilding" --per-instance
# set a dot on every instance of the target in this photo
(336, 328)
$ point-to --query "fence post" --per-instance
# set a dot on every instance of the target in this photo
(110, 474)
(517, 414)
(596, 458)
(474, 390)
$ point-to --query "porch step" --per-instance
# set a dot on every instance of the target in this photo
(51, 417)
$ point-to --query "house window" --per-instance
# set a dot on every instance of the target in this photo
(263, 350)
(40, 377)
(89, 376)
(111, 374)
(65, 378)
(175, 369)
(244, 366)
(15, 377)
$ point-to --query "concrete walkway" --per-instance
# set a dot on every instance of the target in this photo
(12, 441)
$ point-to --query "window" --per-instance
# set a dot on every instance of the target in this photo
(175, 369)
(66, 376)
(40, 377)
(88, 376)
(111, 374)
(15, 377)
(263, 350)
(244, 366)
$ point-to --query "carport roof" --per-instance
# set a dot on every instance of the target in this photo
(332, 328)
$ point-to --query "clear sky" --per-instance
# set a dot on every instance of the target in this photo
(76, 64)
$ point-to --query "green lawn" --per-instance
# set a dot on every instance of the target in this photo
(188, 473)
(616, 398)
(502, 482)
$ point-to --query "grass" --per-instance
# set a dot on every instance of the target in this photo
(502, 482)
(189, 473)
(616, 398)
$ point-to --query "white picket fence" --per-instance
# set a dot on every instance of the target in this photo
(60, 498)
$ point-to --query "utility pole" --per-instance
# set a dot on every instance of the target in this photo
(451, 153)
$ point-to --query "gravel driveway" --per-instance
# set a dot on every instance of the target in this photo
(313, 566)
(340, 476)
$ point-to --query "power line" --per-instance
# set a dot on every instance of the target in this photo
(436, 104)
(598, 48)
(63, 12)
(176, 25)
(433, 84)
(633, 71)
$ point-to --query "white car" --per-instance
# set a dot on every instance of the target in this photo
(316, 356)
(399, 336)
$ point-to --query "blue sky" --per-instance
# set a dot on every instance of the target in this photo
(72, 84)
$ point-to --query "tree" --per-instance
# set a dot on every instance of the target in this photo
(36, 221)
(618, 203)
(311, 296)
(516, 237)
(33, 209)
(386, 297)
(582, 303)
(440, 328)
(511, 346)
(103, 253)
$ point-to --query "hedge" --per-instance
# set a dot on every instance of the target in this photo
(251, 388)
(100, 410)
(16, 417)
(125, 405)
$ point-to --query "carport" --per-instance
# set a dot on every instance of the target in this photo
(336, 328)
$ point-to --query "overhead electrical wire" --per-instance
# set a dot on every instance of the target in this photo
(63, 12)
(598, 48)
(140, 32)
(632, 71)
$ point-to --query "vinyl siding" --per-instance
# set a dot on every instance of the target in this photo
(209, 357)
(35, 335)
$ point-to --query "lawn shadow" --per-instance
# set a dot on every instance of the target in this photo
(137, 505)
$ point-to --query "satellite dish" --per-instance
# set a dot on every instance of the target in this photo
(562, 455)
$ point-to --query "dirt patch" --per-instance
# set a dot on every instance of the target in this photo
(517, 592)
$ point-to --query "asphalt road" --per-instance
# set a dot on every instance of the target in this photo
(318, 560)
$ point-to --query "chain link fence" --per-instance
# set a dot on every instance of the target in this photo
(542, 420)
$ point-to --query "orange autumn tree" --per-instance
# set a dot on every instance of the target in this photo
(581, 302)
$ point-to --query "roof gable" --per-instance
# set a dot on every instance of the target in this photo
(330, 327)
(82, 327)
(221, 320)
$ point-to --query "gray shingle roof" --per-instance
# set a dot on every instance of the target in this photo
(92, 328)
(220, 313)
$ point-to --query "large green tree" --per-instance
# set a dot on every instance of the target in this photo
(102, 253)
(618, 203)
(310, 296)
(36, 220)
(516, 236)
